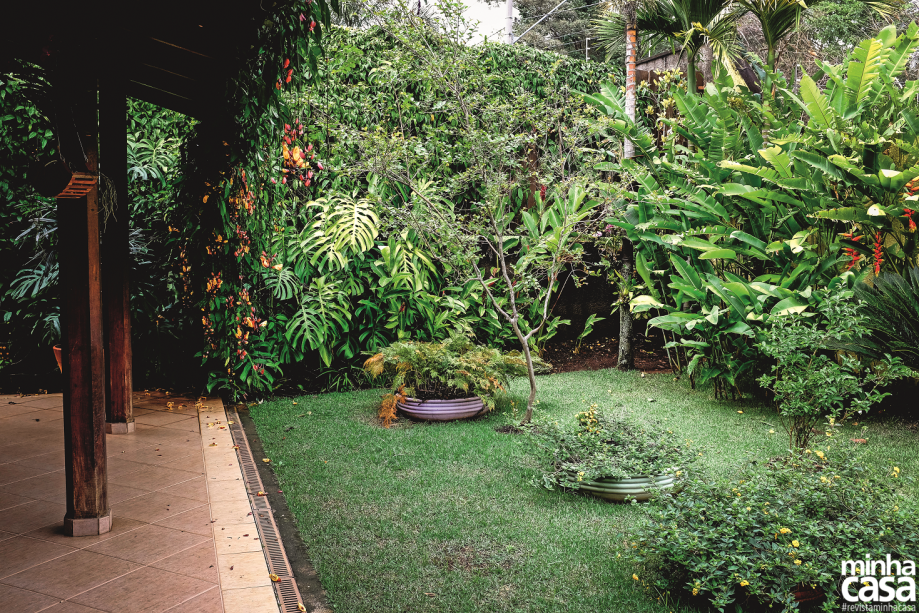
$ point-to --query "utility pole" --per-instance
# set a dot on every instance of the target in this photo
(509, 22)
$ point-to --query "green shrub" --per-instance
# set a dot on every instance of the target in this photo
(812, 383)
(785, 526)
(454, 368)
(601, 445)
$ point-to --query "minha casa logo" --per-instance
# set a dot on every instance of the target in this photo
(879, 585)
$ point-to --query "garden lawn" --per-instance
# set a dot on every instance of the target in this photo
(443, 517)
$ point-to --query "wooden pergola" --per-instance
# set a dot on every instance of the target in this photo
(177, 54)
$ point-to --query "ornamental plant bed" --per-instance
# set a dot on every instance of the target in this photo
(613, 456)
(433, 381)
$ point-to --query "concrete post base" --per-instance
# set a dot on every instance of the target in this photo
(89, 526)
(119, 427)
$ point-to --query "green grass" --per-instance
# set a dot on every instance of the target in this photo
(448, 509)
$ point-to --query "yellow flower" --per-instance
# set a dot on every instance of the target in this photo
(795, 543)
(695, 591)
(785, 530)
(741, 412)
(748, 508)
(820, 454)
(771, 431)
(635, 577)
(807, 451)
(798, 562)
(744, 583)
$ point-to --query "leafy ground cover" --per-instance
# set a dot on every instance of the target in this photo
(442, 517)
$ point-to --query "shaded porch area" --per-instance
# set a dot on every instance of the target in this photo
(183, 538)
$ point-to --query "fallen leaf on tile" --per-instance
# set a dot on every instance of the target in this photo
(169, 405)
(231, 422)
(261, 494)
(266, 459)
(235, 446)
(300, 607)
(245, 535)
(231, 568)
(212, 445)
(223, 427)
(274, 577)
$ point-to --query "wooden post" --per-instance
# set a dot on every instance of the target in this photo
(88, 512)
(116, 298)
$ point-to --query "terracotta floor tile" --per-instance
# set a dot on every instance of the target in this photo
(147, 544)
(16, 600)
(71, 574)
(229, 471)
(250, 600)
(147, 590)
(195, 488)
(19, 553)
(119, 445)
(32, 515)
(208, 602)
(48, 402)
(160, 418)
(199, 562)
(237, 538)
(8, 500)
(198, 520)
(21, 451)
(187, 425)
(231, 511)
(50, 486)
(12, 472)
(159, 454)
(249, 570)
(193, 463)
(8, 410)
(70, 607)
(223, 491)
(119, 493)
(47, 462)
(153, 507)
(5, 535)
(45, 417)
(152, 478)
(118, 465)
(55, 533)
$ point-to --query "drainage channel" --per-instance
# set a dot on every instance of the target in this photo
(286, 586)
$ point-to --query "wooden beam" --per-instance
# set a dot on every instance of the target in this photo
(88, 512)
(116, 264)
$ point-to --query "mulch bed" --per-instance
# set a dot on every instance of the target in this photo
(602, 353)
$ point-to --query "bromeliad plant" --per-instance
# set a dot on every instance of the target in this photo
(606, 445)
(455, 368)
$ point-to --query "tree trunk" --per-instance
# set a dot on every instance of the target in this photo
(631, 51)
(531, 373)
(691, 86)
(626, 360)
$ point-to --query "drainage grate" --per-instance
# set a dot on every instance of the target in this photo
(286, 588)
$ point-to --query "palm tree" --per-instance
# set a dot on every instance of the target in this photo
(689, 24)
(778, 18)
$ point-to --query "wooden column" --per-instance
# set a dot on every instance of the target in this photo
(88, 512)
(116, 265)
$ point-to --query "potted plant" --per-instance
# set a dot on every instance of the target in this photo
(454, 379)
(612, 456)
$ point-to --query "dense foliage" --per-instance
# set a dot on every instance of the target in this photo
(752, 202)
(455, 368)
(776, 530)
(607, 445)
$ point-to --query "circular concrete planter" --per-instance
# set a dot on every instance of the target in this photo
(442, 410)
(639, 488)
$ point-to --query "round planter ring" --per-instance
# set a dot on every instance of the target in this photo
(639, 488)
(442, 410)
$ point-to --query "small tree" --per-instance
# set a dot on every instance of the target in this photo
(529, 248)
(811, 381)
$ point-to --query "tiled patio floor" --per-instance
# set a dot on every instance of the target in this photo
(183, 539)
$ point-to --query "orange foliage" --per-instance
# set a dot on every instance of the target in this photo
(388, 406)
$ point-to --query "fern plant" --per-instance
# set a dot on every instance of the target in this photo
(454, 368)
